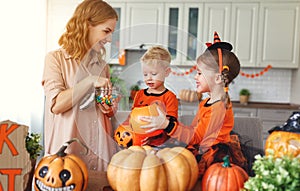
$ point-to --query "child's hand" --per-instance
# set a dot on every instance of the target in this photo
(155, 122)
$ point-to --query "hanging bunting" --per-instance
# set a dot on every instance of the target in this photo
(187, 72)
(266, 69)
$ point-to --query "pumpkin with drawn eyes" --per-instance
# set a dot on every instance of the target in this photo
(282, 143)
(61, 171)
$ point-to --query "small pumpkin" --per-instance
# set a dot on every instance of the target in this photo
(123, 136)
(146, 169)
(135, 123)
(282, 143)
(61, 171)
(224, 177)
(189, 95)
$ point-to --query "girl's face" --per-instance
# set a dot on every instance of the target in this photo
(100, 34)
(204, 79)
(154, 75)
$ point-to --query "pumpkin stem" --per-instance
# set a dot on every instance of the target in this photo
(61, 151)
(226, 162)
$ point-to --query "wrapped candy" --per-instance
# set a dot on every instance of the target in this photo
(103, 95)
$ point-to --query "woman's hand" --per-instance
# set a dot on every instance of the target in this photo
(155, 122)
(109, 110)
(101, 82)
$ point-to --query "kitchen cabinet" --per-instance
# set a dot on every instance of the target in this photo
(245, 112)
(216, 18)
(185, 27)
(192, 25)
(183, 31)
(278, 39)
(271, 118)
(243, 35)
(113, 49)
(268, 117)
(144, 24)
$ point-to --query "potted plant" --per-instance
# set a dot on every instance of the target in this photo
(274, 174)
(244, 96)
(133, 90)
(34, 148)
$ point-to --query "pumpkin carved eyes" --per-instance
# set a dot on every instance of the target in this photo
(61, 171)
(43, 171)
(64, 175)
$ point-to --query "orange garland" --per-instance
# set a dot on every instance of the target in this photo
(257, 74)
(186, 72)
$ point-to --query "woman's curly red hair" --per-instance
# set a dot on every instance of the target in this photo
(90, 12)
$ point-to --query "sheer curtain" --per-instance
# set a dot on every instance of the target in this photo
(23, 47)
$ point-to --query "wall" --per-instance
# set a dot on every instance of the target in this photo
(23, 39)
(295, 87)
(272, 87)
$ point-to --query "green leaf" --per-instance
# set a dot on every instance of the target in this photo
(277, 174)
(33, 146)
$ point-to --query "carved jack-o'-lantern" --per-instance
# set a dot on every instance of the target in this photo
(123, 137)
(283, 143)
(126, 138)
(61, 171)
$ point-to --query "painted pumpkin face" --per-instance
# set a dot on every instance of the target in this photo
(283, 143)
(123, 137)
(61, 172)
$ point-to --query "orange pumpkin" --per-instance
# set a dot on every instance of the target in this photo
(189, 95)
(146, 169)
(283, 143)
(224, 177)
(126, 138)
(135, 123)
(123, 137)
(61, 171)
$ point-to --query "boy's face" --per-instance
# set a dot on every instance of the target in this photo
(154, 75)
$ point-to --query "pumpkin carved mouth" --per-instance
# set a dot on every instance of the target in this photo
(42, 187)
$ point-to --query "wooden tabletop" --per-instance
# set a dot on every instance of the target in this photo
(98, 182)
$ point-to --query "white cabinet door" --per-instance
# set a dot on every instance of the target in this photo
(243, 35)
(278, 40)
(117, 44)
(192, 43)
(271, 118)
(183, 31)
(174, 30)
(144, 24)
(216, 18)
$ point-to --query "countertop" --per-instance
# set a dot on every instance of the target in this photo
(264, 105)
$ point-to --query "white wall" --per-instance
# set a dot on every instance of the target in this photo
(295, 88)
(22, 39)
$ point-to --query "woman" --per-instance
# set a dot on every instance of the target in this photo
(71, 74)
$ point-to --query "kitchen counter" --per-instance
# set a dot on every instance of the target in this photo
(262, 105)
(266, 105)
